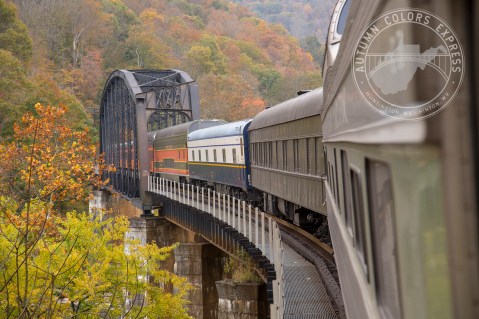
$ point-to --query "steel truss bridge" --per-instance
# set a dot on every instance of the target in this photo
(136, 102)
(133, 103)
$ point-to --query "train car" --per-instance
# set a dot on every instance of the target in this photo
(287, 158)
(219, 157)
(170, 156)
(402, 192)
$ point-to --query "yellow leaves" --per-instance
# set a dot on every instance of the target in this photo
(47, 160)
(150, 16)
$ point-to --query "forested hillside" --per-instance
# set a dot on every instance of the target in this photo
(21, 84)
(56, 51)
(302, 18)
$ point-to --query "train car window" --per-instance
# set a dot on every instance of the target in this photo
(268, 154)
(308, 168)
(330, 176)
(252, 154)
(290, 156)
(285, 155)
(193, 155)
(303, 156)
(279, 145)
(336, 181)
(214, 156)
(329, 173)
(274, 160)
(295, 156)
(317, 158)
(207, 156)
(270, 151)
(311, 157)
(358, 213)
(199, 155)
(260, 154)
(381, 211)
(343, 17)
(234, 155)
(346, 192)
(241, 146)
(264, 160)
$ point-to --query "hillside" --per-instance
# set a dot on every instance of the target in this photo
(302, 18)
(241, 62)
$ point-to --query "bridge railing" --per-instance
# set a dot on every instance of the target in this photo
(260, 228)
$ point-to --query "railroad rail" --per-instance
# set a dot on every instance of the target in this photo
(258, 227)
(320, 255)
(264, 231)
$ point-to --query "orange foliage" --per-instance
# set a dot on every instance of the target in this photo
(47, 161)
(251, 106)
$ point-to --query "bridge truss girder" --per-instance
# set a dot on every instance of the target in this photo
(133, 103)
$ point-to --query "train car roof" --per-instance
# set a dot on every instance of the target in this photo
(230, 129)
(185, 128)
(305, 105)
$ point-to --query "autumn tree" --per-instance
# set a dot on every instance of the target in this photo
(20, 85)
(15, 53)
(61, 265)
(312, 45)
(228, 97)
(13, 33)
(78, 43)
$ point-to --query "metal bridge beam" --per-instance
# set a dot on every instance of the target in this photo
(132, 101)
(143, 158)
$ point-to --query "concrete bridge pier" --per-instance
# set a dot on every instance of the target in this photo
(194, 259)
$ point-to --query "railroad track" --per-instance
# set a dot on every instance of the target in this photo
(320, 255)
(309, 247)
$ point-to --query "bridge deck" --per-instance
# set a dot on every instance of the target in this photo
(303, 292)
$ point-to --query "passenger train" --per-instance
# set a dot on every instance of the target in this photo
(402, 193)
(274, 160)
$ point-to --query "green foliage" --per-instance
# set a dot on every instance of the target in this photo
(312, 45)
(117, 54)
(13, 88)
(197, 22)
(220, 5)
(45, 91)
(57, 265)
(302, 18)
(191, 9)
(13, 33)
(241, 270)
(16, 40)
(287, 88)
(217, 57)
(201, 61)
(7, 15)
(268, 8)
(121, 16)
(253, 52)
(78, 267)
(268, 78)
